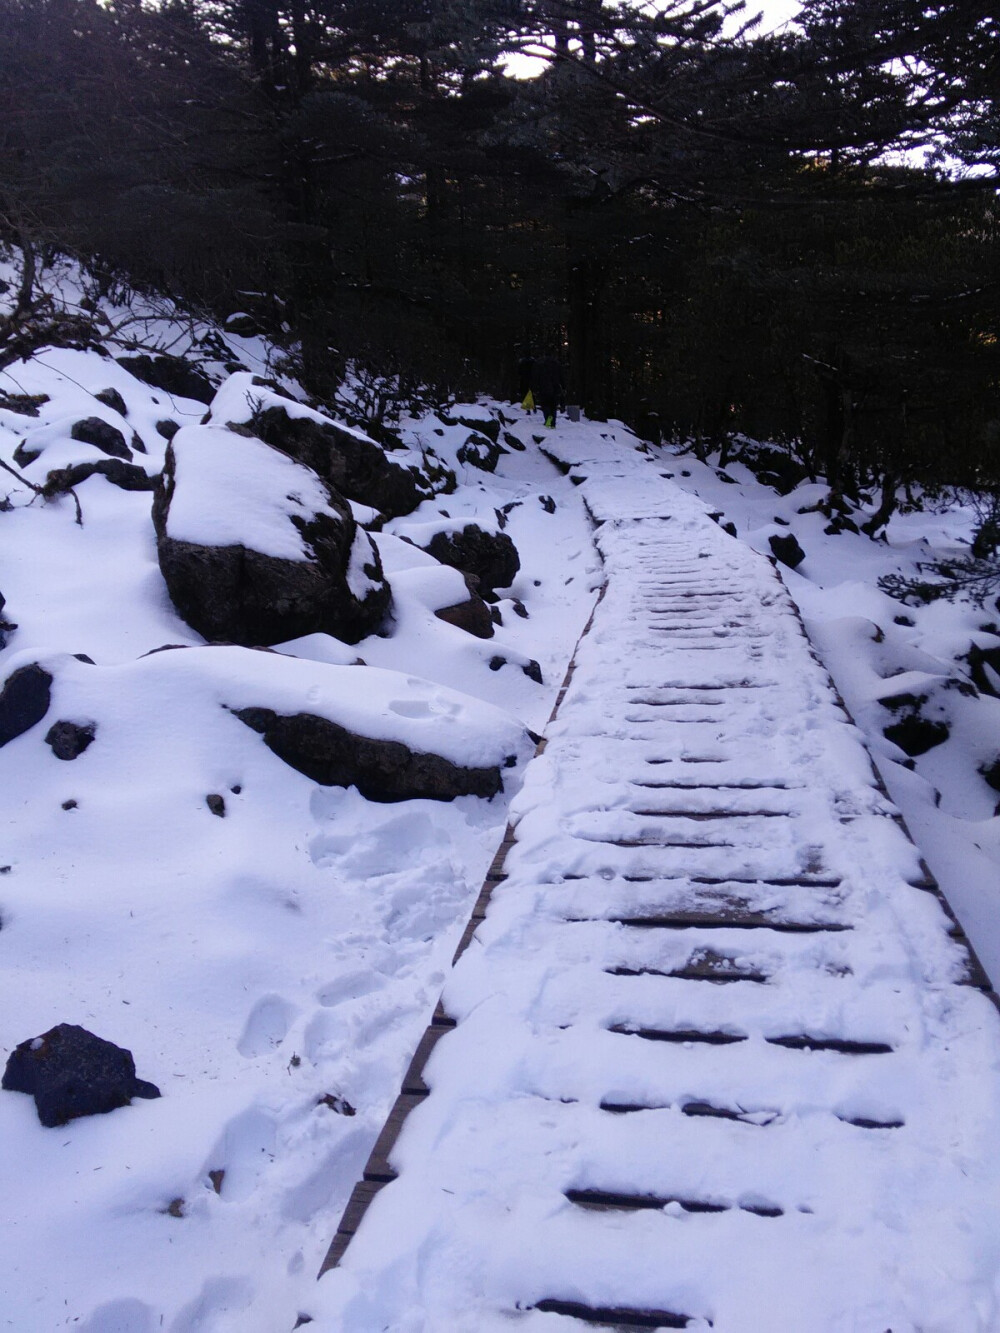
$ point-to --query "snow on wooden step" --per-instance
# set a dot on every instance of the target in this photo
(710, 1060)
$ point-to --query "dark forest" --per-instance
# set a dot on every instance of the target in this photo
(724, 231)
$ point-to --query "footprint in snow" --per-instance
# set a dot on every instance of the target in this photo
(267, 1026)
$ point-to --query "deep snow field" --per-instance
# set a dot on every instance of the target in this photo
(271, 971)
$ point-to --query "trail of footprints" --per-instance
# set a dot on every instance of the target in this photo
(686, 1004)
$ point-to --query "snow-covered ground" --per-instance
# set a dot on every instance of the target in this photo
(269, 970)
(273, 968)
(876, 648)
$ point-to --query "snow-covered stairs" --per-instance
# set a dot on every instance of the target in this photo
(715, 1055)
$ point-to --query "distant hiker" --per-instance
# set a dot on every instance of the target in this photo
(525, 375)
(547, 387)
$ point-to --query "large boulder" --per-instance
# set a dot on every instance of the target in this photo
(24, 700)
(490, 557)
(70, 1073)
(256, 549)
(787, 550)
(102, 435)
(353, 465)
(172, 374)
(382, 770)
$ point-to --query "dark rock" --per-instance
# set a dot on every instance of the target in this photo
(473, 616)
(531, 668)
(487, 426)
(547, 503)
(479, 451)
(171, 374)
(773, 467)
(232, 594)
(512, 442)
(496, 615)
(520, 609)
(24, 404)
(730, 528)
(102, 435)
(241, 324)
(216, 804)
(167, 428)
(724, 476)
(70, 739)
(217, 1176)
(915, 735)
(24, 700)
(491, 557)
(71, 1073)
(381, 770)
(577, 480)
(787, 550)
(339, 1104)
(69, 805)
(126, 476)
(24, 455)
(353, 466)
(113, 399)
(991, 772)
(979, 659)
(6, 626)
(904, 620)
(136, 444)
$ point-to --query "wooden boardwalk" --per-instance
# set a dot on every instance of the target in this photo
(714, 1054)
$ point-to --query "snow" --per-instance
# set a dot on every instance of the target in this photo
(208, 509)
(695, 689)
(294, 949)
(254, 963)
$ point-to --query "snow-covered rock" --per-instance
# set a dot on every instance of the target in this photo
(354, 465)
(255, 548)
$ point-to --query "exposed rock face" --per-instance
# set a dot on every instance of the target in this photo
(480, 451)
(473, 616)
(787, 550)
(235, 594)
(71, 1073)
(127, 476)
(172, 374)
(6, 626)
(24, 700)
(113, 399)
(69, 739)
(381, 770)
(915, 735)
(354, 466)
(102, 435)
(491, 557)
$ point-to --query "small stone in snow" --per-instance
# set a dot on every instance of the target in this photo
(69, 805)
(71, 1073)
(69, 739)
(216, 804)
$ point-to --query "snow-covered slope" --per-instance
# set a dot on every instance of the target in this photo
(270, 969)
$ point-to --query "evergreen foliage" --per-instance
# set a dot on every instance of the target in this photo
(723, 231)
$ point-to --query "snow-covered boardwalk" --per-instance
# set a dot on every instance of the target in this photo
(717, 1057)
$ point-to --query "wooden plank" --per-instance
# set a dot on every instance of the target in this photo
(413, 1081)
(377, 1167)
(614, 1201)
(679, 1035)
(614, 1316)
(357, 1205)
